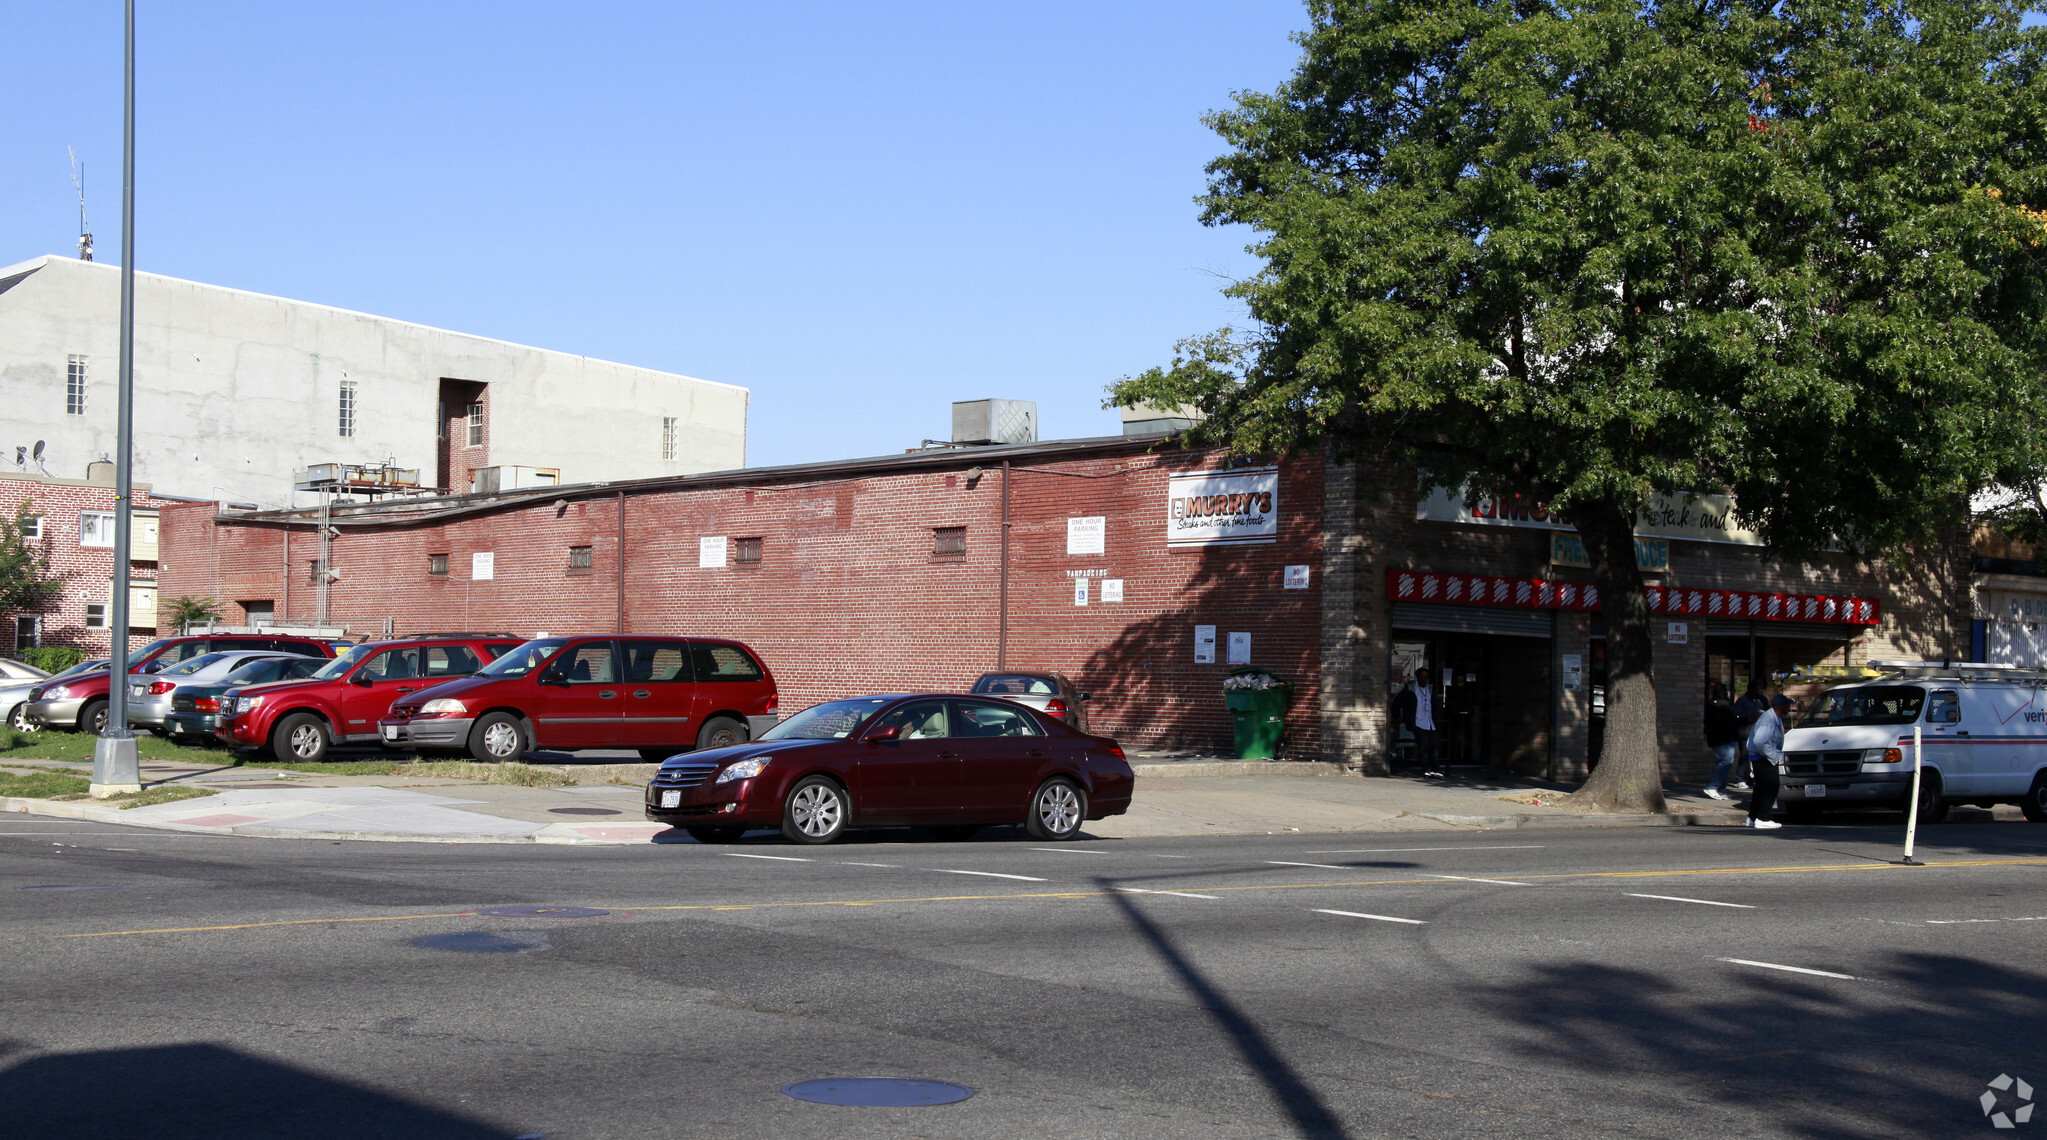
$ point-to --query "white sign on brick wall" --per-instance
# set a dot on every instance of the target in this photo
(1232, 507)
(1204, 645)
(483, 566)
(1297, 577)
(1080, 591)
(1086, 535)
(711, 551)
(1112, 589)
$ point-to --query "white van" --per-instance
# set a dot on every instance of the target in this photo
(1984, 728)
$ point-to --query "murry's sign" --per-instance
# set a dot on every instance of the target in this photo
(1223, 507)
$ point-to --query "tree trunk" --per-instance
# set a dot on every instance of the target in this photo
(1628, 778)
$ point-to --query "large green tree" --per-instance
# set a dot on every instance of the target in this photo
(1590, 250)
(25, 579)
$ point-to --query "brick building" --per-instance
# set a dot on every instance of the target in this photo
(73, 526)
(1133, 565)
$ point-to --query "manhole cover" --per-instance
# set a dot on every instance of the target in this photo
(484, 941)
(584, 811)
(540, 912)
(78, 887)
(878, 1092)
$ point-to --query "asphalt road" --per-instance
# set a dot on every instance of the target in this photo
(1643, 982)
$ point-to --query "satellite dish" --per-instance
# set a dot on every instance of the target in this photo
(39, 451)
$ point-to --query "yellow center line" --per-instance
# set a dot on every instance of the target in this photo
(1083, 894)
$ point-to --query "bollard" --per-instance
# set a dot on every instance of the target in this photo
(1912, 808)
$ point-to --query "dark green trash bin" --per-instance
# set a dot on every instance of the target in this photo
(1258, 715)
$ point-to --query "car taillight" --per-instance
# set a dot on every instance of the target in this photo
(1116, 750)
(159, 688)
(206, 704)
(1055, 707)
(774, 701)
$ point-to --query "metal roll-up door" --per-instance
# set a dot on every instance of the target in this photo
(1812, 630)
(1725, 627)
(1472, 619)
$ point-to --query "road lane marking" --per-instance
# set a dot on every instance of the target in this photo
(1971, 921)
(991, 875)
(777, 858)
(1068, 850)
(850, 863)
(1324, 866)
(1389, 850)
(1182, 894)
(1790, 969)
(1172, 856)
(1495, 882)
(1701, 902)
(1375, 917)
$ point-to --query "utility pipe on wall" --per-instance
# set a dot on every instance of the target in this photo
(621, 562)
(1002, 579)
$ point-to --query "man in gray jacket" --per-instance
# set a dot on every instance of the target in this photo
(1766, 745)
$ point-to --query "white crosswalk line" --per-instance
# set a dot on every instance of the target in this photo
(1324, 866)
(990, 875)
(1182, 894)
(777, 858)
(1701, 902)
(1790, 969)
(1067, 850)
(1374, 917)
(1469, 879)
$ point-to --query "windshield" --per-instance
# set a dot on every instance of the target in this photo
(523, 660)
(342, 664)
(836, 720)
(257, 672)
(1866, 704)
(192, 665)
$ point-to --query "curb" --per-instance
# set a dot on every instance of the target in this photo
(1242, 768)
(1514, 822)
(97, 814)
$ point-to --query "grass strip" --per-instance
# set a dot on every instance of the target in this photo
(42, 785)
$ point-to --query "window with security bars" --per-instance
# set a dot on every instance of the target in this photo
(437, 564)
(95, 616)
(347, 408)
(669, 431)
(949, 540)
(74, 387)
(579, 558)
(746, 550)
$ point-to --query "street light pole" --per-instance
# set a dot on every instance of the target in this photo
(115, 767)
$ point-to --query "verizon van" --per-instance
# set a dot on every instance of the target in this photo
(1984, 728)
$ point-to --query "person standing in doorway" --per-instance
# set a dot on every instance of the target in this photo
(1723, 736)
(1425, 719)
(1766, 748)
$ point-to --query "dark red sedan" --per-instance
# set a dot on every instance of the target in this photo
(949, 763)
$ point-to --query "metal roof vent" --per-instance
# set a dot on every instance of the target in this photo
(994, 421)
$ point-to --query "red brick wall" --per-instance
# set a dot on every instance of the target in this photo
(848, 596)
(85, 571)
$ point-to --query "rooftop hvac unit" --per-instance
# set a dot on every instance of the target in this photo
(995, 421)
(491, 480)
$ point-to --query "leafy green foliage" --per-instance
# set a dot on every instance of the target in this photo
(178, 613)
(25, 579)
(53, 658)
(1588, 250)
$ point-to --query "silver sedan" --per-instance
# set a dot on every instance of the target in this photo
(1053, 694)
(150, 697)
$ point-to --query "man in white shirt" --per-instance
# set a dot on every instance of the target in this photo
(1766, 744)
(1424, 719)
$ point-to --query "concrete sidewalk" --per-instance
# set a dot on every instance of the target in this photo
(1176, 795)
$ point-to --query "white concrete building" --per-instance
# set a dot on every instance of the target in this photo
(234, 391)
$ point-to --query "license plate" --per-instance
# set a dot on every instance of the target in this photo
(390, 732)
(136, 690)
(671, 799)
(1815, 791)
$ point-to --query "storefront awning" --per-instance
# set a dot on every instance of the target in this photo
(1672, 601)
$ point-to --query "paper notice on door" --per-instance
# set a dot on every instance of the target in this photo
(1574, 671)
(1204, 645)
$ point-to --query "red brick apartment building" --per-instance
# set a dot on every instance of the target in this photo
(1137, 567)
(72, 523)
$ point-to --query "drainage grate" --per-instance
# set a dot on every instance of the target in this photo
(877, 1092)
(484, 941)
(584, 811)
(81, 887)
(539, 912)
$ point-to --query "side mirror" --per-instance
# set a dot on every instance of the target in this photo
(885, 732)
(360, 677)
(554, 677)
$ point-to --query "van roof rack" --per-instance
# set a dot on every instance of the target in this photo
(453, 633)
(1961, 671)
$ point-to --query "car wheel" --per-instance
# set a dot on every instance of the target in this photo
(815, 811)
(92, 719)
(301, 739)
(17, 718)
(721, 732)
(1057, 810)
(2035, 803)
(656, 755)
(715, 834)
(1932, 808)
(497, 738)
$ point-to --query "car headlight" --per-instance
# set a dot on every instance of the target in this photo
(55, 693)
(745, 769)
(247, 704)
(441, 705)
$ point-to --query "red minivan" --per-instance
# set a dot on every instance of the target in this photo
(655, 695)
(342, 702)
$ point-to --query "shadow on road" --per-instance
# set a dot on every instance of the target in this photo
(1311, 1117)
(206, 1091)
(1904, 1053)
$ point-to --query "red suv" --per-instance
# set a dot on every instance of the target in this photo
(300, 720)
(80, 701)
(658, 695)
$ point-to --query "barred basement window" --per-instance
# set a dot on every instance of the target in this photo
(668, 434)
(579, 558)
(949, 540)
(746, 550)
(74, 387)
(95, 616)
(437, 564)
(347, 408)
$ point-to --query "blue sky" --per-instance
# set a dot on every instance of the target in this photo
(861, 212)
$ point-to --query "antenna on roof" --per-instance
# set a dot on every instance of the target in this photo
(84, 230)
